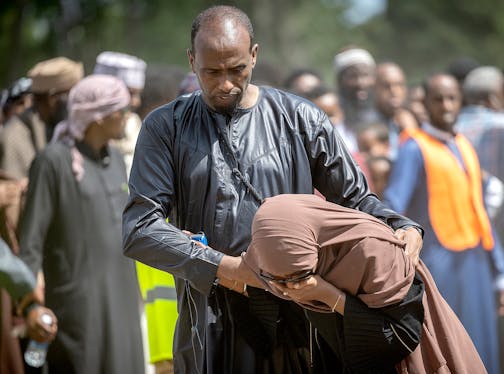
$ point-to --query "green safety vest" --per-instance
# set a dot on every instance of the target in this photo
(160, 301)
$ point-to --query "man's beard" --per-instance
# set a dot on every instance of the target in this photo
(351, 97)
(230, 109)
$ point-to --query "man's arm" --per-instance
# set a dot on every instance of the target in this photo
(20, 283)
(147, 237)
(38, 211)
(339, 178)
(15, 276)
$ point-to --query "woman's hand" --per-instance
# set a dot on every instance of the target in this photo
(311, 289)
(314, 288)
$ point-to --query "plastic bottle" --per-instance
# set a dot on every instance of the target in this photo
(200, 237)
(35, 354)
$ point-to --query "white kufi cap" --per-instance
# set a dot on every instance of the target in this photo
(352, 57)
(129, 68)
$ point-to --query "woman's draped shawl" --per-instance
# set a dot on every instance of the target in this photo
(360, 255)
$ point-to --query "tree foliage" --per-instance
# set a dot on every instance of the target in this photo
(421, 35)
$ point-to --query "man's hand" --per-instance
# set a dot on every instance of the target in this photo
(234, 274)
(10, 192)
(163, 367)
(413, 241)
(37, 329)
(35, 296)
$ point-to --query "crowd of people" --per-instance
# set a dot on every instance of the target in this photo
(128, 160)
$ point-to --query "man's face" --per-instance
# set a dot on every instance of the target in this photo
(443, 101)
(223, 60)
(356, 82)
(52, 108)
(416, 104)
(390, 89)
(305, 83)
(113, 125)
(369, 143)
(136, 98)
(330, 105)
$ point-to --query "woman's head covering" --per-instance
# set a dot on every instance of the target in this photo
(92, 99)
(348, 248)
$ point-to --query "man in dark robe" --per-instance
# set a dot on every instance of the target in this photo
(71, 229)
(207, 160)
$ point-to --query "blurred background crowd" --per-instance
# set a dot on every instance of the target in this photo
(368, 65)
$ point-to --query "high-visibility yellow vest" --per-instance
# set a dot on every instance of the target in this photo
(160, 301)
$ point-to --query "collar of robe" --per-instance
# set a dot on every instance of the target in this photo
(102, 157)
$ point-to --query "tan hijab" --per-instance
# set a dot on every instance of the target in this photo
(360, 255)
(293, 233)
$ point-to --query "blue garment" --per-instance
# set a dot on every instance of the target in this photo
(491, 153)
(473, 120)
(394, 134)
(466, 278)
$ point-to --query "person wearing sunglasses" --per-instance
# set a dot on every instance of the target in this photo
(371, 309)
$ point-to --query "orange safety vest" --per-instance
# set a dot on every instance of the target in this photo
(456, 211)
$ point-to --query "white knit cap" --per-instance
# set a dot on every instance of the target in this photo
(129, 68)
(351, 57)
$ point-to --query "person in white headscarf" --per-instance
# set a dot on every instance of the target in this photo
(71, 229)
(131, 70)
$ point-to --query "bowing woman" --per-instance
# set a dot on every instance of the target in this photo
(371, 310)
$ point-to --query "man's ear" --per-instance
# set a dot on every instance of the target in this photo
(493, 101)
(254, 50)
(190, 57)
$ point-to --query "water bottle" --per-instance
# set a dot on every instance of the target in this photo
(35, 354)
(200, 237)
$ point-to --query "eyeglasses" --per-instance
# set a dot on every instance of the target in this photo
(297, 278)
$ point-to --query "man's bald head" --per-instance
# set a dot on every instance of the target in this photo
(222, 57)
(443, 100)
(388, 68)
(390, 88)
(218, 16)
(433, 82)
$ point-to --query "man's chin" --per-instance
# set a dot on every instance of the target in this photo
(226, 109)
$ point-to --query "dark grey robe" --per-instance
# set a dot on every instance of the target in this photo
(72, 231)
(202, 168)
